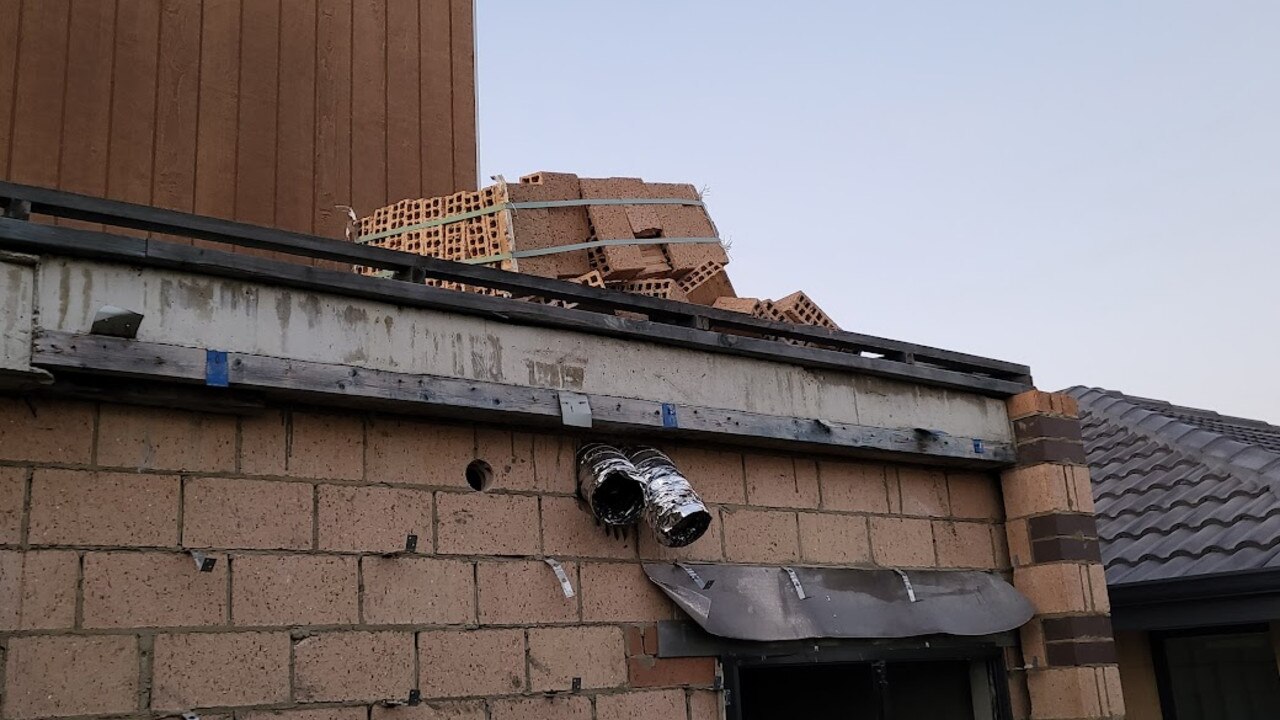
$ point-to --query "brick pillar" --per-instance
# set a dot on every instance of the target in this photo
(1068, 652)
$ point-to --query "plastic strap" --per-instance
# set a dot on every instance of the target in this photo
(906, 582)
(558, 569)
(525, 206)
(589, 245)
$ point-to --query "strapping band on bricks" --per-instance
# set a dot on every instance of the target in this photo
(524, 206)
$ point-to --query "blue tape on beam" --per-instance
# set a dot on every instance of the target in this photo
(669, 416)
(215, 368)
(978, 447)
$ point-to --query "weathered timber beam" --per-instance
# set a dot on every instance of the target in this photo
(101, 246)
(331, 384)
(112, 212)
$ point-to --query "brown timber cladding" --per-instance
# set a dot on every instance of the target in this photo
(268, 112)
(102, 612)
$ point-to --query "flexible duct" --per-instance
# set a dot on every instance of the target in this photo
(672, 508)
(610, 484)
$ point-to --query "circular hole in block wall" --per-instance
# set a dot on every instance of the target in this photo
(479, 475)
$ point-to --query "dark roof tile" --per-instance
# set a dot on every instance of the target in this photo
(1180, 491)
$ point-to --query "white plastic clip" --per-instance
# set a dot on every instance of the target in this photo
(795, 583)
(575, 409)
(697, 579)
(204, 563)
(558, 569)
(906, 581)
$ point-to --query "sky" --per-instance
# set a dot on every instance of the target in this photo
(1091, 188)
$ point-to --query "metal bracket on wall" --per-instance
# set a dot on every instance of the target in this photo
(575, 409)
(203, 562)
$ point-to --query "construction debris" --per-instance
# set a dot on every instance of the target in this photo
(652, 239)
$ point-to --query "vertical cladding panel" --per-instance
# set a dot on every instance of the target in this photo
(219, 103)
(38, 94)
(173, 185)
(256, 124)
(333, 115)
(437, 98)
(462, 68)
(133, 101)
(85, 123)
(295, 159)
(403, 140)
(369, 106)
(271, 111)
(10, 14)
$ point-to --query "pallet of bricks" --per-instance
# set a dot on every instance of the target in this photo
(651, 239)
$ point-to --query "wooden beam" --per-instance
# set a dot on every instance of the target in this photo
(47, 239)
(344, 385)
(140, 217)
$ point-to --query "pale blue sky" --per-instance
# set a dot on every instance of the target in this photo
(1089, 187)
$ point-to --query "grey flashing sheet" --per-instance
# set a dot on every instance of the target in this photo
(749, 602)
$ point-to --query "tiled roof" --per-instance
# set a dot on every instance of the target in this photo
(1180, 492)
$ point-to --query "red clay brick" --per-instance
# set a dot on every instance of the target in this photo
(46, 430)
(525, 593)
(1019, 542)
(219, 670)
(553, 463)
(1099, 599)
(13, 482)
(373, 519)
(858, 487)
(1055, 588)
(293, 590)
(670, 672)
(834, 539)
(924, 492)
(704, 705)
(303, 445)
(48, 676)
(964, 545)
(776, 481)
(1035, 489)
(464, 710)
(418, 591)
(902, 542)
(510, 455)
(131, 589)
(256, 514)
(1067, 692)
(479, 523)
(641, 705)
(717, 476)
(38, 589)
(706, 548)
(456, 663)
(568, 529)
(760, 536)
(73, 507)
(353, 666)
(621, 592)
(420, 453)
(595, 654)
(343, 713)
(148, 438)
(553, 707)
(974, 496)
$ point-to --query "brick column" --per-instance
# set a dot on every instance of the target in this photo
(1068, 652)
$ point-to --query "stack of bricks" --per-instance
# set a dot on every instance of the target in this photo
(1068, 659)
(310, 612)
(683, 272)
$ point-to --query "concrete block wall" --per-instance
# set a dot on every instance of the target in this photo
(311, 613)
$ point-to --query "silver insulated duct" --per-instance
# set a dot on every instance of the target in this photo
(610, 484)
(672, 508)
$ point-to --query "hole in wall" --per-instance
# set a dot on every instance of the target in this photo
(479, 475)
